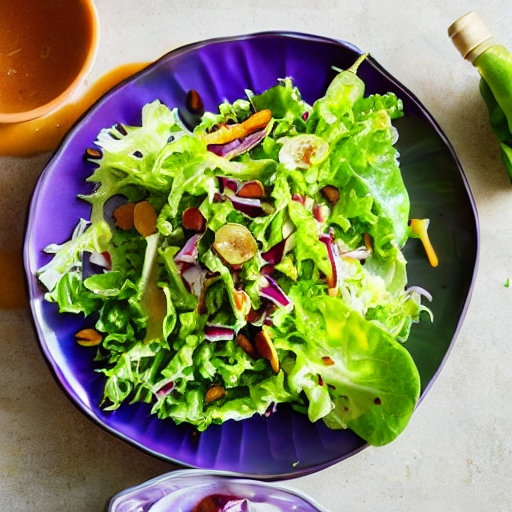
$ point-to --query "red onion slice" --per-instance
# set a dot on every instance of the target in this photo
(272, 291)
(188, 253)
(299, 198)
(248, 206)
(321, 212)
(165, 390)
(421, 291)
(227, 185)
(275, 254)
(194, 276)
(215, 332)
(334, 259)
(238, 146)
(102, 259)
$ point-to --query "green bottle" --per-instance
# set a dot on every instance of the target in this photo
(493, 61)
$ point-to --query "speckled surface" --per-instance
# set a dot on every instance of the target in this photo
(456, 453)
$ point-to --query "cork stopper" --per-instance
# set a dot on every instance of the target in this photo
(470, 36)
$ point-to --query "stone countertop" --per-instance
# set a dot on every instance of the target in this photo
(455, 454)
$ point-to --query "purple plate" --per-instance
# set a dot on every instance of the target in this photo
(286, 444)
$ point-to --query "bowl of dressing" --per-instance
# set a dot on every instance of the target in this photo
(46, 50)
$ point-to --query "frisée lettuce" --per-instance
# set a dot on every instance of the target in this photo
(251, 261)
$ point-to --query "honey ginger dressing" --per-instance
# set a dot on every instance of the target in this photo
(13, 293)
(43, 46)
(44, 134)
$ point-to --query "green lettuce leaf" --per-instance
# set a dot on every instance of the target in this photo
(354, 373)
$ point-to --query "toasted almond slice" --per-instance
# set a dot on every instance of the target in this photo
(245, 344)
(193, 219)
(368, 241)
(266, 348)
(93, 153)
(123, 216)
(201, 304)
(258, 120)
(88, 337)
(331, 193)
(215, 392)
(144, 218)
(327, 361)
(253, 189)
(194, 103)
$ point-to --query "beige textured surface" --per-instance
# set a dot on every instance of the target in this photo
(456, 454)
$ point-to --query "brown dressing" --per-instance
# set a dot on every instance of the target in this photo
(45, 133)
(13, 294)
(43, 46)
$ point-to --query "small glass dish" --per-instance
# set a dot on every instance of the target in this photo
(182, 490)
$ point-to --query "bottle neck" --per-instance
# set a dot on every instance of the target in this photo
(479, 49)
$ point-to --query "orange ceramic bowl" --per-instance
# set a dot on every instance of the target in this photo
(46, 50)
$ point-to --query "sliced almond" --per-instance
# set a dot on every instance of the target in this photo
(88, 337)
(257, 121)
(331, 193)
(266, 348)
(93, 153)
(368, 241)
(123, 216)
(245, 344)
(144, 218)
(194, 103)
(214, 393)
(327, 361)
(253, 189)
(193, 219)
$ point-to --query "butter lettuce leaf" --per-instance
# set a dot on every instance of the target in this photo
(354, 374)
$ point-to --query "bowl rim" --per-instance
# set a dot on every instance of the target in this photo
(91, 14)
(192, 474)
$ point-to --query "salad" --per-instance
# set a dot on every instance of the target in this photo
(250, 259)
